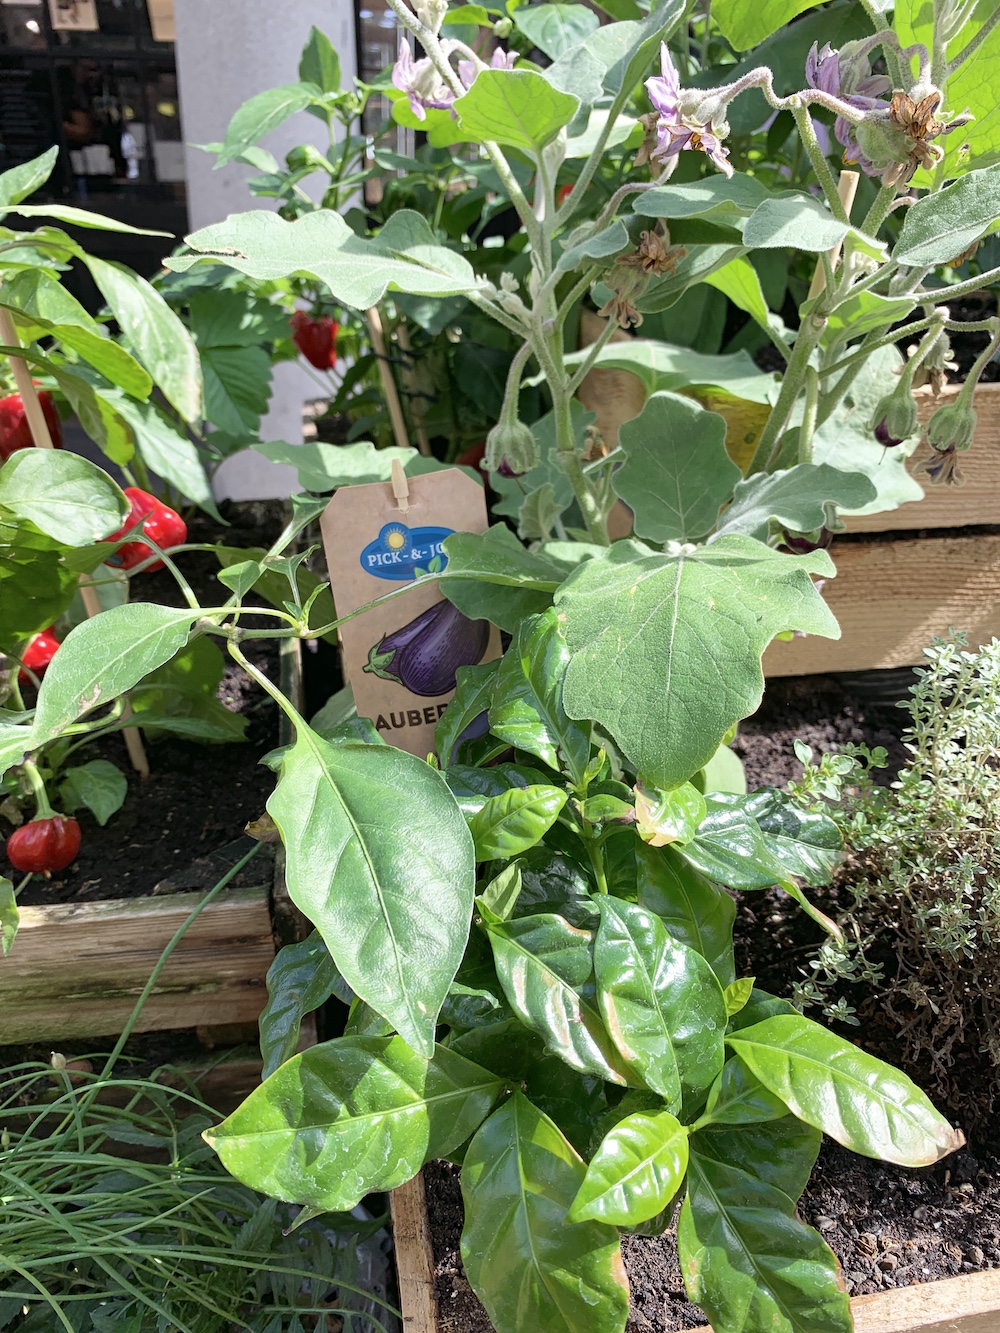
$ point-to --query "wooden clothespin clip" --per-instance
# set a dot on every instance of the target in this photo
(400, 486)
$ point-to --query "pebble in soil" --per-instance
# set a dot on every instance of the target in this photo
(889, 1227)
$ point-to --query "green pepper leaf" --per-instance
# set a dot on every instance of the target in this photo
(749, 1262)
(661, 1002)
(352, 1116)
(543, 964)
(530, 1269)
(381, 861)
(514, 821)
(860, 1101)
(65, 496)
(527, 708)
(9, 915)
(301, 978)
(99, 785)
(636, 1171)
(471, 699)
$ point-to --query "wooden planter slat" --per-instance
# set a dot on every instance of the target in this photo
(76, 970)
(969, 1304)
(892, 597)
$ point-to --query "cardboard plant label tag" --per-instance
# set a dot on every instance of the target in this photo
(401, 658)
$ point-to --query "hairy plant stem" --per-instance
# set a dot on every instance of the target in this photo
(824, 175)
(808, 426)
(810, 332)
(593, 352)
(879, 211)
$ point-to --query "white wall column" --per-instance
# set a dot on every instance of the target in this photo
(228, 50)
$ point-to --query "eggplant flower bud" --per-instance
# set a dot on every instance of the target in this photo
(895, 418)
(511, 449)
(952, 427)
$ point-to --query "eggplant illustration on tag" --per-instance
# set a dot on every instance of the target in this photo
(424, 655)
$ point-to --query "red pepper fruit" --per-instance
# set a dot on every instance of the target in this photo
(39, 653)
(563, 193)
(50, 843)
(163, 524)
(472, 456)
(316, 338)
(15, 433)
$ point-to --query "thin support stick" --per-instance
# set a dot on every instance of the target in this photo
(847, 188)
(388, 383)
(412, 387)
(42, 437)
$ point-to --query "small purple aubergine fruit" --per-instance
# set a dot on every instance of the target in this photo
(883, 436)
(803, 543)
(424, 655)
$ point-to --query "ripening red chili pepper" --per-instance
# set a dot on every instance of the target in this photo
(15, 433)
(163, 524)
(50, 842)
(316, 338)
(563, 193)
(39, 653)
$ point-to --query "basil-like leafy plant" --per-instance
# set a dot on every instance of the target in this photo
(533, 927)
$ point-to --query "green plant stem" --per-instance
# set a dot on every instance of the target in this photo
(808, 426)
(824, 175)
(596, 855)
(810, 332)
(569, 459)
(44, 809)
(879, 211)
(165, 956)
(593, 352)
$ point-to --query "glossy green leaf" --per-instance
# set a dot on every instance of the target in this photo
(694, 911)
(167, 452)
(747, 1260)
(676, 474)
(42, 307)
(381, 860)
(95, 402)
(352, 1116)
(799, 498)
(636, 1171)
(320, 64)
(161, 342)
(860, 1101)
(505, 1047)
(9, 915)
(745, 25)
(661, 1002)
(502, 892)
(779, 1152)
(665, 817)
(17, 183)
(543, 964)
(761, 1005)
(36, 587)
(556, 28)
(527, 708)
(67, 497)
(527, 1266)
(261, 114)
(473, 787)
(182, 696)
(474, 689)
(666, 648)
(14, 745)
(81, 217)
(724, 772)
(738, 1097)
(697, 263)
(515, 107)
(514, 821)
(99, 785)
(551, 882)
(730, 847)
(807, 843)
(405, 256)
(301, 978)
(941, 226)
(102, 658)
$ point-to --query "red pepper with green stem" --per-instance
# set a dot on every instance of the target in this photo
(49, 841)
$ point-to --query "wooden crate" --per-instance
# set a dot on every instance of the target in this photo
(76, 970)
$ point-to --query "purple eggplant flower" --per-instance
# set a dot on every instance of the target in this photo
(849, 77)
(676, 127)
(941, 467)
(421, 82)
(467, 71)
(424, 654)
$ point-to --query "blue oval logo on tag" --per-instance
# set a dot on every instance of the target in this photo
(400, 553)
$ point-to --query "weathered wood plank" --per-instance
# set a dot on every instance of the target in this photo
(77, 969)
(969, 1304)
(411, 1236)
(892, 597)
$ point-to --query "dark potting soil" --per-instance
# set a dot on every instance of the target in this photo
(889, 1227)
(198, 797)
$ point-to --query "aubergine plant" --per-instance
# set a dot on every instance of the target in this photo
(533, 927)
